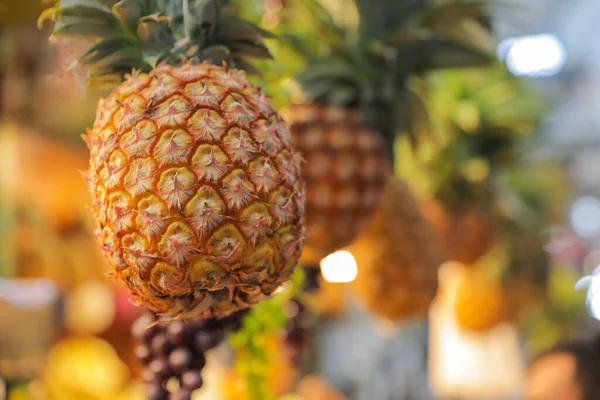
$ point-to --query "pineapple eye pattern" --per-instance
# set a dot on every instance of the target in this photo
(194, 176)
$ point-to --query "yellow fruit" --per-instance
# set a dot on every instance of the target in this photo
(196, 188)
(345, 173)
(480, 302)
(397, 258)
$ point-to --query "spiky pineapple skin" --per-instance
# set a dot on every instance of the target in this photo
(345, 174)
(397, 258)
(196, 190)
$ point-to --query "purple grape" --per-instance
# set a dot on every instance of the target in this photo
(142, 353)
(140, 327)
(156, 392)
(149, 377)
(160, 368)
(177, 332)
(160, 344)
(180, 358)
(191, 380)
(206, 340)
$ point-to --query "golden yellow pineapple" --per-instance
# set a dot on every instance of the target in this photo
(397, 258)
(196, 190)
(481, 303)
(345, 173)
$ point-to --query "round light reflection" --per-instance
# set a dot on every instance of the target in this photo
(585, 217)
(339, 267)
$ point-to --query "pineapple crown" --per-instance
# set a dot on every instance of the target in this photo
(484, 115)
(139, 34)
(394, 42)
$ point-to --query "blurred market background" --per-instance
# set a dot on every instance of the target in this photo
(505, 173)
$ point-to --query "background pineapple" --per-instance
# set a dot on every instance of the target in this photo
(397, 258)
(479, 122)
(196, 189)
(357, 99)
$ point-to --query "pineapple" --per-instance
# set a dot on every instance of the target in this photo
(481, 116)
(196, 187)
(345, 173)
(397, 258)
(355, 85)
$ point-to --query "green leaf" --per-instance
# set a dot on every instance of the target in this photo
(96, 14)
(379, 17)
(449, 14)
(216, 54)
(86, 29)
(106, 47)
(128, 12)
(342, 96)
(248, 49)
(336, 70)
(232, 29)
(244, 65)
(438, 53)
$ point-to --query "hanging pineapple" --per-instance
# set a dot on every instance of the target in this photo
(355, 87)
(196, 187)
(196, 190)
(397, 258)
(478, 120)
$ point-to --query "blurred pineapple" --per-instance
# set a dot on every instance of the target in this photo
(397, 258)
(480, 121)
(357, 98)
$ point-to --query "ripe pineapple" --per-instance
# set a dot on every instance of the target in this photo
(355, 84)
(196, 188)
(397, 258)
(345, 173)
(480, 118)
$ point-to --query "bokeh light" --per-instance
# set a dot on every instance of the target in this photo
(339, 267)
(538, 55)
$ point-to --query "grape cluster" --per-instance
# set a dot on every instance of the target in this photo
(176, 350)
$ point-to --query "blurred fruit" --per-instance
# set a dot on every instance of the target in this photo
(49, 179)
(397, 258)
(83, 368)
(464, 233)
(345, 173)
(481, 302)
(90, 308)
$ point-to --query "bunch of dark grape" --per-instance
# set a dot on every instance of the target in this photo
(177, 350)
(299, 319)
